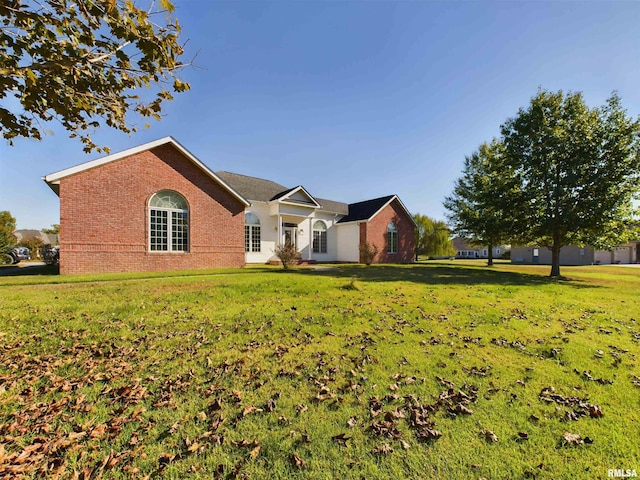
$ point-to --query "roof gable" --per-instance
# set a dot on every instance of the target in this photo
(366, 210)
(53, 179)
(297, 196)
(260, 190)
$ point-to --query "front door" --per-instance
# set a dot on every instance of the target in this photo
(291, 236)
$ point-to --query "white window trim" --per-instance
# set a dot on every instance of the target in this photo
(170, 212)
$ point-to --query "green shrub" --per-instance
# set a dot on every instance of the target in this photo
(368, 252)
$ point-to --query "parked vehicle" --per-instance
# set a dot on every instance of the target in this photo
(50, 254)
(10, 257)
(23, 253)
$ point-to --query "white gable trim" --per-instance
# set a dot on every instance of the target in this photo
(286, 198)
(395, 197)
(53, 179)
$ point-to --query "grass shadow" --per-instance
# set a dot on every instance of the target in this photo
(29, 270)
(443, 274)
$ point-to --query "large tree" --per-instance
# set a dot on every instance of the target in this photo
(80, 62)
(579, 170)
(481, 206)
(433, 237)
(7, 227)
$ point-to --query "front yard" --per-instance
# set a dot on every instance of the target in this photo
(442, 370)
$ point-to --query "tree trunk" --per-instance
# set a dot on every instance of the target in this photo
(555, 259)
(490, 260)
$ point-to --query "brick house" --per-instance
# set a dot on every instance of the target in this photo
(157, 207)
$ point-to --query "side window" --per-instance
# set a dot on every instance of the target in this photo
(319, 237)
(392, 238)
(251, 232)
(168, 222)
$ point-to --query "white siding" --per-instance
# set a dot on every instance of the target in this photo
(622, 255)
(268, 234)
(602, 257)
(348, 241)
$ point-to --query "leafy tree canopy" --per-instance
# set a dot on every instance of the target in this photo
(480, 207)
(562, 173)
(432, 237)
(78, 62)
(55, 229)
(580, 171)
(7, 227)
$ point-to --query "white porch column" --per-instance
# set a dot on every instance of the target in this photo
(279, 242)
(310, 234)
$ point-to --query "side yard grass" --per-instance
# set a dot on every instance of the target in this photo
(438, 370)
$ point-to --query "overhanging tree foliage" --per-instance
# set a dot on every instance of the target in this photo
(79, 62)
(481, 207)
(432, 237)
(579, 171)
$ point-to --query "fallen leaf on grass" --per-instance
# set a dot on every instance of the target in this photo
(165, 459)
(296, 461)
(428, 434)
(341, 439)
(255, 452)
(489, 436)
(249, 409)
(384, 449)
(571, 438)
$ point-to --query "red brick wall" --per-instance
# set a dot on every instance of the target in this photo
(104, 216)
(375, 232)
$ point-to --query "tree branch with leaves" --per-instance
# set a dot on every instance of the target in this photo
(80, 62)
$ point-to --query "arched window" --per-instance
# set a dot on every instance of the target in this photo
(392, 238)
(319, 237)
(251, 232)
(168, 222)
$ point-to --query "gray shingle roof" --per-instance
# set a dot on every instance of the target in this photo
(252, 188)
(261, 190)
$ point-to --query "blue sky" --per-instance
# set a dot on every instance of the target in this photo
(357, 99)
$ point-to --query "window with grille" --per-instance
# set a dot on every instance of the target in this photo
(251, 232)
(319, 237)
(168, 222)
(392, 238)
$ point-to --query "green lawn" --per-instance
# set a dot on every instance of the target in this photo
(437, 370)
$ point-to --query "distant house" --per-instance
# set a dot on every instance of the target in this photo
(27, 235)
(577, 255)
(157, 207)
(464, 250)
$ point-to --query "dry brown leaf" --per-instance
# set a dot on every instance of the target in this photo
(489, 436)
(384, 449)
(255, 452)
(571, 438)
(297, 461)
(341, 439)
